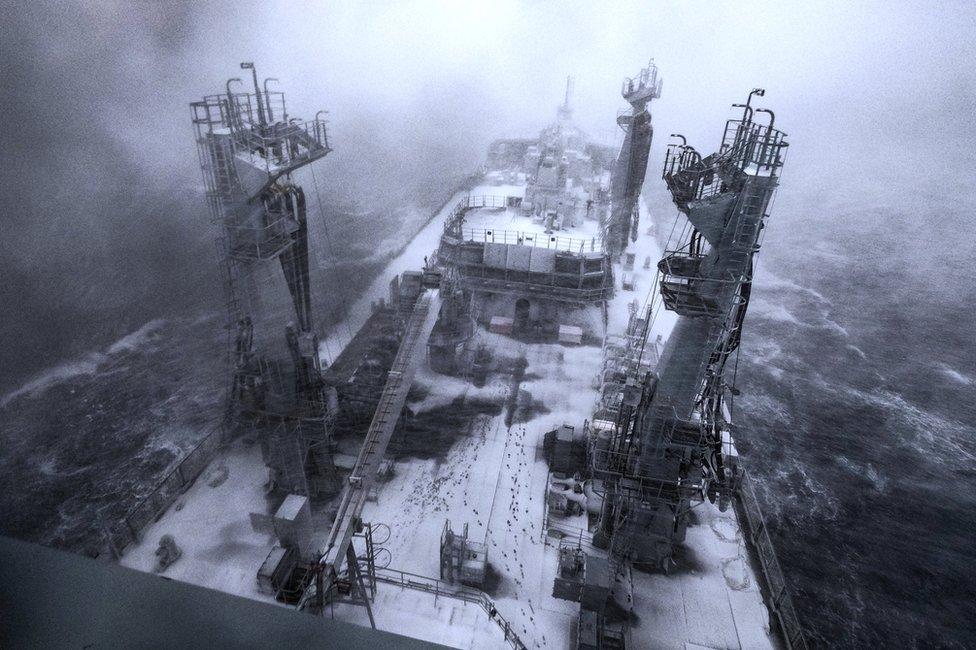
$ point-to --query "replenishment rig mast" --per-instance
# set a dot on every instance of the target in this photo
(630, 167)
(249, 149)
(671, 442)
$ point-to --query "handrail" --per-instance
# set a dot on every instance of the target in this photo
(391, 403)
(468, 202)
(148, 508)
(460, 592)
(536, 240)
(779, 601)
(454, 227)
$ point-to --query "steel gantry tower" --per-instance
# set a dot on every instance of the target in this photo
(670, 449)
(249, 147)
(630, 167)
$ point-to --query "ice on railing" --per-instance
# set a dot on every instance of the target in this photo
(555, 242)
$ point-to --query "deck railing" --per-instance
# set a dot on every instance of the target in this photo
(150, 507)
(538, 240)
(454, 226)
(454, 221)
(460, 592)
(778, 597)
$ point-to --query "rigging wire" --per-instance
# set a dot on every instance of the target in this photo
(343, 298)
(655, 301)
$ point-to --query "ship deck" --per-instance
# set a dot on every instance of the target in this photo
(493, 477)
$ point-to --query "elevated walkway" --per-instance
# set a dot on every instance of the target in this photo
(388, 410)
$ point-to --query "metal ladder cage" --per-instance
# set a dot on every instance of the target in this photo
(645, 86)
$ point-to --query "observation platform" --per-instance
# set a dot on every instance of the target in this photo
(500, 248)
(513, 226)
(747, 150)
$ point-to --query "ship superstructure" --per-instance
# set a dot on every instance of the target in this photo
(537, 439)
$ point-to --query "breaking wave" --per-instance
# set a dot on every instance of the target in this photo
(137, 338)
(954, 374)
(86, 365)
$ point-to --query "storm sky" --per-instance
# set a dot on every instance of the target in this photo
(103, 225)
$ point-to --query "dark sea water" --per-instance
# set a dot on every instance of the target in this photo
(858, 414)
(82, 441)
(85, 439)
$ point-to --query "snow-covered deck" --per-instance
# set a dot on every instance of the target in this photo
(211, 525)
(712, 600)
(493, 478)
(513, 226)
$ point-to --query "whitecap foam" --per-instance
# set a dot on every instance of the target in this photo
(927, 433)
(774, 312)
(770, 280)
(834, 326)
(87, 365)
(954, 374)
(137, 338)
(857, 351)
(48, 466)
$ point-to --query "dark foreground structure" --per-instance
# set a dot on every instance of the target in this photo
(52, 599)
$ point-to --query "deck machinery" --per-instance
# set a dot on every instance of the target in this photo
(670, 446)
(249, 147)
